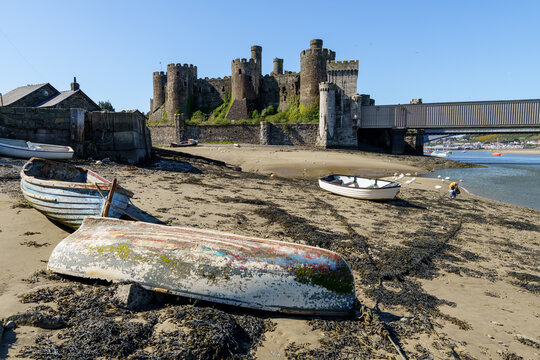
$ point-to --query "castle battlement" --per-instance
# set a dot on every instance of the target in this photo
(243, 61)
(324, 52)
(182, 66)
(159, 73)
(342, 65)
(326, 86)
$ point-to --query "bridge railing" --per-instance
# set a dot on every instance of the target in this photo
(482, 114)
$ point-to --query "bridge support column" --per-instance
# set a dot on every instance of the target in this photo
(414, 142)
(397, 141)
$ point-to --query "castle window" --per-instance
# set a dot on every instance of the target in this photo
(240, 71)
(223, 88)
(185, 83)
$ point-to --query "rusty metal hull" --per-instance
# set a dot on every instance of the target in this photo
(67, 193)
(209, 265)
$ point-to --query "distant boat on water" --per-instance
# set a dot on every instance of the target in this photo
(440, 154)
(496, 154)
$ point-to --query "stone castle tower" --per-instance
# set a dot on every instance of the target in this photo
(246, 80)
(313, 70)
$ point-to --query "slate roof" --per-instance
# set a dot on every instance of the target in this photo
(19, 93)
(57, 99)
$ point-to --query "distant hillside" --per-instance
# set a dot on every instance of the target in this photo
(502, 138)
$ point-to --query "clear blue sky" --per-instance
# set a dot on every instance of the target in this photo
(436, 50)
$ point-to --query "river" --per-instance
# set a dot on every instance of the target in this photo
(511, 178)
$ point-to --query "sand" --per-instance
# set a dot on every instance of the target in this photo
(449, 278)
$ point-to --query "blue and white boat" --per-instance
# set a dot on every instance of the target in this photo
(67, 193)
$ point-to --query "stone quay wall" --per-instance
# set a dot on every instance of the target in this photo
(121, 136)
(266, 134)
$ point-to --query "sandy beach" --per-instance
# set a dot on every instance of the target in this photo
(445, 279)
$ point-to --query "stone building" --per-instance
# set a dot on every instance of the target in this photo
(46, 96)
(179, 91)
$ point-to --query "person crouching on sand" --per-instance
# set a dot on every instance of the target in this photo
(454, 190)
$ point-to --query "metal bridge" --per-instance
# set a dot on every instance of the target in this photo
(507, 116)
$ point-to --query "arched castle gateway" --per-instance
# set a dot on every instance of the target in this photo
(320, 78)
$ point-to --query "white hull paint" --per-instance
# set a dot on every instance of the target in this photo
(360, 188)
(26, 150)
(209, 265)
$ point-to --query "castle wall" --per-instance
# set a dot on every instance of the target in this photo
(162, 135)
(210, 93)
(277, 134)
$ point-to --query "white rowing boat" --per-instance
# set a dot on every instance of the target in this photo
(26, 150)
(360, 188)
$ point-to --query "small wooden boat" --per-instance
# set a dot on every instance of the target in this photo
(209, 265)
(189, 142)
(360, 188)
(496, 154)
(67, 193)
(439, 154)
(26, 150)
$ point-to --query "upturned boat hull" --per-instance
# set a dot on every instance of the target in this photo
(209, 265)
(67, 193)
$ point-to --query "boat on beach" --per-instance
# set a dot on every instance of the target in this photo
(67, 193)
(26, 150)
(209, 265)
(360, 188)
(189, 142)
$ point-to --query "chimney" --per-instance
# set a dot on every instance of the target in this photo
(74, 84)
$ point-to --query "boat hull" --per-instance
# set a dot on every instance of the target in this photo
(70, 202)
(388, 193)
(21, 149)
(209, 265)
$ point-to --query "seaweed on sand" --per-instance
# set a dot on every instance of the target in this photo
(96, 328)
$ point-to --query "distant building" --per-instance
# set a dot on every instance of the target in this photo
(46, 96)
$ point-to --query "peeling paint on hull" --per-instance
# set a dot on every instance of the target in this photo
(210, 265)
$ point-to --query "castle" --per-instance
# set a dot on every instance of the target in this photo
(321, 78)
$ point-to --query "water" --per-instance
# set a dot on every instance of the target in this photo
(511, 178)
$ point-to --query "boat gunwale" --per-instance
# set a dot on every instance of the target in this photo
(105, 185)
(397, 185)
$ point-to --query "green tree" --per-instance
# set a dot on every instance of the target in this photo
(106, 105)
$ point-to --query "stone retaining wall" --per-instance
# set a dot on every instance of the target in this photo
(266, 134)
(121, 136)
